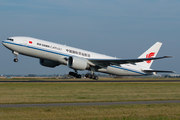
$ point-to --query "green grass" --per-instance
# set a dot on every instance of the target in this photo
(112, 112)
(17, 93)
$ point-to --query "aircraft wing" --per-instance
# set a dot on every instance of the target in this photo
(107, 62)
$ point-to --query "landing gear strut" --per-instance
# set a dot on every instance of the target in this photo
(15, 55)
(75, 74)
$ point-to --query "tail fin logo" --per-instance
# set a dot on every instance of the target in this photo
(150, 55)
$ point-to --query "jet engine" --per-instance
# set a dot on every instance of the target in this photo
(48, 63)
(77, 63)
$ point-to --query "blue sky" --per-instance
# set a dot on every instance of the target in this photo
(121, 28)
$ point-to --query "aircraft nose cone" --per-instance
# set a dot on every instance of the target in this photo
(3, 42)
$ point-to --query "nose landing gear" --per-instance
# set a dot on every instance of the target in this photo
(15, 55)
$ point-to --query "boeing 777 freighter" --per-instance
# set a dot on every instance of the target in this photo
(53, 54)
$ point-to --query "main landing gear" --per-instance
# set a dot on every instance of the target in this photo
(75, 74)
(88, 75)
(91, 76)
(15, 55)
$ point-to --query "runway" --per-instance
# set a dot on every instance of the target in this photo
(26, 81)
(87, 104)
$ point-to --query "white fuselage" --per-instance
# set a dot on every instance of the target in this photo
(56, 52)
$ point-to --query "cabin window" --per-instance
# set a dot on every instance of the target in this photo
(10, 39)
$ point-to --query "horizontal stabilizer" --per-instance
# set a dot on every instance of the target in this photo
(159, 71)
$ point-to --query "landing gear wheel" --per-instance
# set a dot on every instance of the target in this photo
(15, 60)
(78, 76)
(88, 76)
(74, 74)
(96, 77)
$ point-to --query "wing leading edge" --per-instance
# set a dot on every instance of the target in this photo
(107, 62)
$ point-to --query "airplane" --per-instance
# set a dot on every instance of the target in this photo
(52, 54)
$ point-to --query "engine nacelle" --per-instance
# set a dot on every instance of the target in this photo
(48, 63)
(77, 63)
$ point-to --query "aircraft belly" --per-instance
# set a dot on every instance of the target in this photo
(117, 70)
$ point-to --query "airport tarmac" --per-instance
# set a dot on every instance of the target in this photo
(86, 104)
(91, 80)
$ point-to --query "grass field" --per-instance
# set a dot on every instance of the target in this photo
(86, 92)
(17, 93)
(113, 112)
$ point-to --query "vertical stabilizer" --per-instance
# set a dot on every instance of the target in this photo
(150, 53)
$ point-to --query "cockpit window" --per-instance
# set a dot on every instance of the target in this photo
(10, 39)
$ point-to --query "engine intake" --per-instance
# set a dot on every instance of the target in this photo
(48, 63)
(77, 63)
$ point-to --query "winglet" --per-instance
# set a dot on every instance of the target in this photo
(168, 56)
